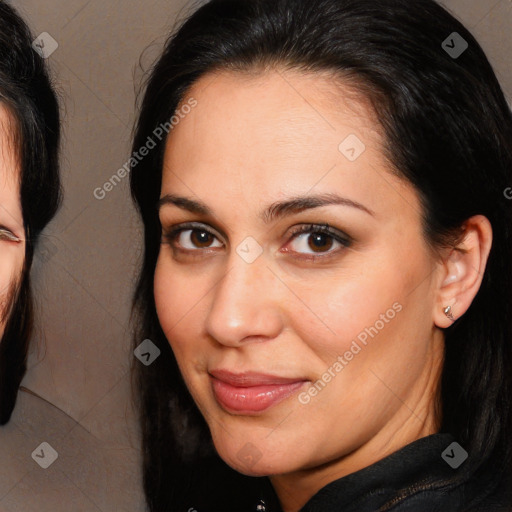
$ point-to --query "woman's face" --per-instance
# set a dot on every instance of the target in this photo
(12, 236)
(300, 349)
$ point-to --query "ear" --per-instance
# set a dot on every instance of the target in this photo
(462, 271)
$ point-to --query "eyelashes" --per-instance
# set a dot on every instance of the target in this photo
(318, 238)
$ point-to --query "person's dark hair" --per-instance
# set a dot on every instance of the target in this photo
(27, 94)
(448, 132)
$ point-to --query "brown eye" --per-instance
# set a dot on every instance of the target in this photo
(191, 238)
(200, 238)
(318, 239)
(320, 242)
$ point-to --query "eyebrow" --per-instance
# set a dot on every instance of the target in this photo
(274, 211)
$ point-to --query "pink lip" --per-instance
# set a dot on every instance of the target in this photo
(249, 392)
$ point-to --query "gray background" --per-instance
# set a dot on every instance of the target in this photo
(76, 394)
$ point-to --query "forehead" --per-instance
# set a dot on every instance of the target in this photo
(241, 118)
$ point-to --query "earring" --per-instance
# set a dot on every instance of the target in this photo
(261, 506)
(448, 312)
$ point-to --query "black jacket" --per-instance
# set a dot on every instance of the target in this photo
(416, 478)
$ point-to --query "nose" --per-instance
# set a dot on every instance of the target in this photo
(246, 304)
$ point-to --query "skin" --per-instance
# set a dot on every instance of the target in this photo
(12, 234)
(255, 139)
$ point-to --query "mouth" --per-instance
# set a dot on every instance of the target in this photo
(251, 393)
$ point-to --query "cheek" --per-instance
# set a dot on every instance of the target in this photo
(342, 305)
(169, 296)
(178, 306)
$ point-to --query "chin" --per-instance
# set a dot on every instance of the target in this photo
(256, 467)
(254, 455)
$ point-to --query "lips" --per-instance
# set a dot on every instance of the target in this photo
(249, 392)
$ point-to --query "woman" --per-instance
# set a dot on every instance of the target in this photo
(327, 261)
(29, 189)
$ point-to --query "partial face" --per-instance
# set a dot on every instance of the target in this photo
(302, 328)
(12, 235)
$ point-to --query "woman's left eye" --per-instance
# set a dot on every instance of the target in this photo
(318, 240)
